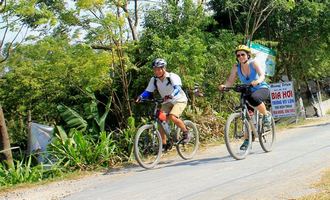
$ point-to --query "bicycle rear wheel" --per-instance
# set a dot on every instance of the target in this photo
(267, 136)
(235, 130)
(147, 146)
(188, 150)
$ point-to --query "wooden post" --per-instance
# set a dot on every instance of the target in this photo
(29, 132)
(5, 141)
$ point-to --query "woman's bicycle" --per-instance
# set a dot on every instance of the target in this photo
(241, 124)
(148, 142)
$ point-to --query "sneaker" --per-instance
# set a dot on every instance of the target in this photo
(267, 119)
(186, 137)
(165, 147)
(245, 145)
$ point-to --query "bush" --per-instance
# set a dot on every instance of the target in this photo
(83, 152)
(24, 171)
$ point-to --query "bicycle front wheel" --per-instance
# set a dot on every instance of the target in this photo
(147, 146)
(267, 136)
(236, 131)
(189, 149)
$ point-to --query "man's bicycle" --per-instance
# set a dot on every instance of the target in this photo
(241, 124)
(148, 142)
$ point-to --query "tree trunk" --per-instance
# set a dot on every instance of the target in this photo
(4, 141)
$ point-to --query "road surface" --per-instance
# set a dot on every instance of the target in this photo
(298, 159)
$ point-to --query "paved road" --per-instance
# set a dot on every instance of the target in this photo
(297, 160)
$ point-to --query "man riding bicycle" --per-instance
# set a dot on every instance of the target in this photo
(249, 72)
(168, 85)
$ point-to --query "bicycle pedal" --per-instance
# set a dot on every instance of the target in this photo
(179, 142)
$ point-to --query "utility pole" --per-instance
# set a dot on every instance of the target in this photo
(5, 148)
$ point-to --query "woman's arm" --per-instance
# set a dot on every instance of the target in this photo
(260, 72)
(232, 77)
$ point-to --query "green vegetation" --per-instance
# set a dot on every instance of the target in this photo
(24, 171)
(87, 60)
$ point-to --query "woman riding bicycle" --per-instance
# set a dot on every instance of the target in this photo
(175, 100)
(249, 72)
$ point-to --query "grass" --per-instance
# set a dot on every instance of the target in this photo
(301, 122)
(324, 188)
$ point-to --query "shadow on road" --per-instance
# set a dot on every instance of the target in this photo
(195, 162)
(169, 163)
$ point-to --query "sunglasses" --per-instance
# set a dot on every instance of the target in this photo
(239, 55)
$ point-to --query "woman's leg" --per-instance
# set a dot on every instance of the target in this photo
(262, 108)
(257, 99)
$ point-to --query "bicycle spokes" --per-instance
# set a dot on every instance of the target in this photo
(187, 149)
(236, 131)
(267, 137)
(147, 147)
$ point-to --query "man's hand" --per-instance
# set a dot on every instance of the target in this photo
(138, 99)
(167, 97)
(221, 87)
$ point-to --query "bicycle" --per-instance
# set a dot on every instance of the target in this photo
(241, 123)
(148, 142)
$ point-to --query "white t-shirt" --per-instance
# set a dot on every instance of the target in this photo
(164, 88)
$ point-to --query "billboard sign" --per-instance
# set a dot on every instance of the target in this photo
(282, 99)
(265, 57)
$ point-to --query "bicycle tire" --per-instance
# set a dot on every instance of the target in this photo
(234, 139)
(147, 146)
(188, 150)
(266, 143)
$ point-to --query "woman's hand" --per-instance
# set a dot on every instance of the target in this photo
(255, 83)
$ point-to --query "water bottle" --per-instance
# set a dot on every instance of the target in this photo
(166, 127)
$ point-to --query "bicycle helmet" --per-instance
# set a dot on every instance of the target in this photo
(159, 63)
(243, 48)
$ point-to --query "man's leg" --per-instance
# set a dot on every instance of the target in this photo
(177, 121)
(174, 117)
(163, 135)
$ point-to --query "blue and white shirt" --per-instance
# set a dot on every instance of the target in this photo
(165, 88)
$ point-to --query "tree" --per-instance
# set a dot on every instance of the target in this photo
(51, 72)
(18, 16)
(4, 141)
(303, 40)
(247, 16)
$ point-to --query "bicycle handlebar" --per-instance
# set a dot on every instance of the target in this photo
(242, 88)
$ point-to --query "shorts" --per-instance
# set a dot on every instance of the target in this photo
(175, 109)
(258, 96)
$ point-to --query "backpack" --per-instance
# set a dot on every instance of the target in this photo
(169, 82)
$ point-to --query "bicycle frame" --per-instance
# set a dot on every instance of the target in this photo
(255, 128)
(243, 109)
(149, 152)
(249, 130)
(156, 122)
